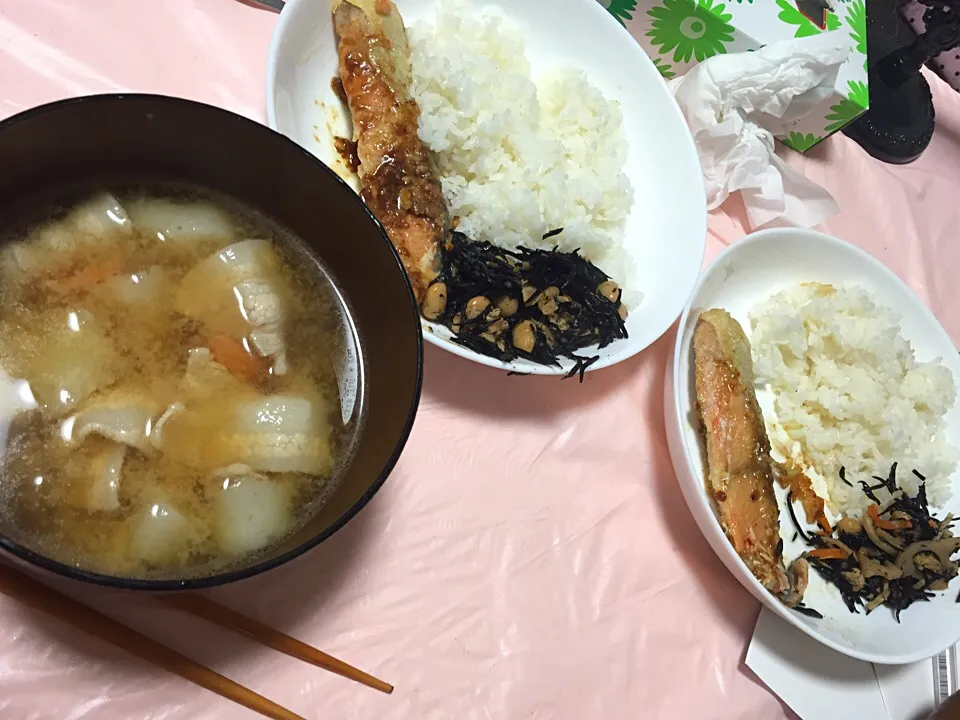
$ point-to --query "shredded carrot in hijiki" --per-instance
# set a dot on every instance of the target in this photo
(874, 512)
(813, 505)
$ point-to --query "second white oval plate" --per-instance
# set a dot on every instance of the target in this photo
(666, 231)
(745, 274)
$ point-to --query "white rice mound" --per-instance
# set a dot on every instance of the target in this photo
(849, 393)
(519, 157)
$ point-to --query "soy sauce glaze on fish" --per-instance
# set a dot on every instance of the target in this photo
(398, 181)
(739, 472)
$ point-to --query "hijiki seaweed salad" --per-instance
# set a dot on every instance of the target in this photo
(534, 304)
(498, 224)
(895, 556)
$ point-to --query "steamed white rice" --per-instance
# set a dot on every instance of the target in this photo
(849, 393)
(518, 156)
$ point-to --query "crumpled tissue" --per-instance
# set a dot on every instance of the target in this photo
(736, 103)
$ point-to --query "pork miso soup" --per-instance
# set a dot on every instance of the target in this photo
(172, 366)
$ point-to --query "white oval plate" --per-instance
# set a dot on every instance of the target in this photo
(666, 231)
(743, 275)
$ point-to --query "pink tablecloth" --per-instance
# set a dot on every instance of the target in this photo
(567, 580)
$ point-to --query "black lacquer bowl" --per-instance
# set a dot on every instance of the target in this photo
(105, 138)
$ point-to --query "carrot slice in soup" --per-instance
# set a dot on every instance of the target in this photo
(232, 354)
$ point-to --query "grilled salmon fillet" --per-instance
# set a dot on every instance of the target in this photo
(398, 181)
(739, 472)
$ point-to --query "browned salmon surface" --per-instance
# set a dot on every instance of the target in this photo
(398, 181)
(739, 473)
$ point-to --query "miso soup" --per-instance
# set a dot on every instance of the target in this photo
(179, 377)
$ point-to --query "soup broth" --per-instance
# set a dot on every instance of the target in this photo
(180, 382)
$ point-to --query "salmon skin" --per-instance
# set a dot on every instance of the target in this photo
(740, 474)
(398, 180)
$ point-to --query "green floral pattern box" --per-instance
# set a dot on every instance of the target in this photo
(680, 33)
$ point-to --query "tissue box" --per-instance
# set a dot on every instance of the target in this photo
(679, 33)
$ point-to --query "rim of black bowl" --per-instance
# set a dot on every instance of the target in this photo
(208, 581)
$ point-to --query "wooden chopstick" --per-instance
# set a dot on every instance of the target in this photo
(37, 595)
(264, 634)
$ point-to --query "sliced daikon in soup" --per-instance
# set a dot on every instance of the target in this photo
(240, 292)
(281, 434)
(161, 532)
(72, 358)
(278, 433)
(207, 292)
(181, 221)
(253, 510)
(100, 218)
(97, 225)
(148, 290)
